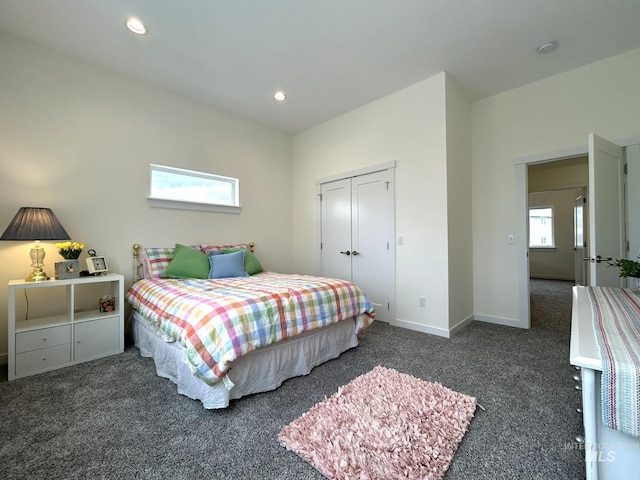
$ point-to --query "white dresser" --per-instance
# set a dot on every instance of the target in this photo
(77, 333)
(609, 454)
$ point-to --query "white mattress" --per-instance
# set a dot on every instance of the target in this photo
(260, 371)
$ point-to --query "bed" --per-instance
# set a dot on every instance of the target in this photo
(243, 331)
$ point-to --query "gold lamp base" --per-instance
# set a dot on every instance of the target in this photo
(37, 276)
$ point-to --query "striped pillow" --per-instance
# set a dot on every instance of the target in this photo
(218, 248)
(157, 260)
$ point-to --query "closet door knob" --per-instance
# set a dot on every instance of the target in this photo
(347, 253)
(355, 253)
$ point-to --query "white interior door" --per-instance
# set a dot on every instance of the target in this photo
(606, 210)
(580, 233)
(371, 237)
(336, 229)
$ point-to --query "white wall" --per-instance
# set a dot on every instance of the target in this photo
(559, 174)
(408, 126)
(459, 207)
(79, 139)
(551, 115)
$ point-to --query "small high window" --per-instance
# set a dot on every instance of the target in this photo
(541, 227)
(178, 188)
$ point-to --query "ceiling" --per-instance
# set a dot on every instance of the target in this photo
(329, 56)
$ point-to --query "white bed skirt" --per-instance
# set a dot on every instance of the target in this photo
(260, 371)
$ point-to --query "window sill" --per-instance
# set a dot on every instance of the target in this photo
(180, 205)
(543, 249)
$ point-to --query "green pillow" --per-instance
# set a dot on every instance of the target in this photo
(187, 263)
(251, 263)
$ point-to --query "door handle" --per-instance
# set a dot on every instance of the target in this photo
(346, 253)
(597, 259)
(355, 253)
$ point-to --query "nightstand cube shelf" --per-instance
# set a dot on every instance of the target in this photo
(81, 332)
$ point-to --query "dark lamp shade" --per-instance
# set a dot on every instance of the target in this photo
(35, 223)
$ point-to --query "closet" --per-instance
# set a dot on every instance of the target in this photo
(357, 231)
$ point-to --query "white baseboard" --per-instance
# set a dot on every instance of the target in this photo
(418, 327)
(440, 332)
(461, 324)
(551, 277)
(509, 322)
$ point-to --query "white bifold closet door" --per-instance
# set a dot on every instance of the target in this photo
(357, 235)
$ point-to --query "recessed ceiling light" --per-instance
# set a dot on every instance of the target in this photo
(547, 47)
(280, 96)
(136, 26)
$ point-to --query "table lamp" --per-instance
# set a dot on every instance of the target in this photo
(35, 223)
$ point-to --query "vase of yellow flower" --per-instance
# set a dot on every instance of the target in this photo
(70, 268)
(70, 250)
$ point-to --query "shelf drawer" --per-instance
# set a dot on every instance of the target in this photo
(42, 338)
(35, 360)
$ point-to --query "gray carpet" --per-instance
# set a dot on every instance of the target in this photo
(114, 418)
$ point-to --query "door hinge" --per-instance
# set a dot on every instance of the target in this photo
(584, 199)
(320, 195)
(387, 245)
(625, 169)
(388, 306)
(387, 183)
(320, 245)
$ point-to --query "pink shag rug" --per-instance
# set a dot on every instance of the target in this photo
(382, 425)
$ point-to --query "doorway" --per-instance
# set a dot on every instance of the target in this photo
(553, 188)
(602, 155)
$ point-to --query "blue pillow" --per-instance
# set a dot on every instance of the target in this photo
(227, 265)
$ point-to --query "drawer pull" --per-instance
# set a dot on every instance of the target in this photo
(577, 378)
(579, 387)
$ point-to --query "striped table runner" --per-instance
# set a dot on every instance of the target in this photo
(616, 321)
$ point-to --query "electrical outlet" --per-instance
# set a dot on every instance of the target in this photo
(422, 302)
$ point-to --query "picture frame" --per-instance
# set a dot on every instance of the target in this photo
(97, 265)
(107, 304)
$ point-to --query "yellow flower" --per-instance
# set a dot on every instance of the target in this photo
(70, 250)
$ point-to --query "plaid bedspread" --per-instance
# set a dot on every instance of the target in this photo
(219, 320)
(616, 321)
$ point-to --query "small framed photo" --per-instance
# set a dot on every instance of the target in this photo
(107, 304)
(97, 265)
